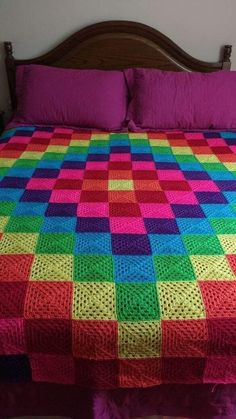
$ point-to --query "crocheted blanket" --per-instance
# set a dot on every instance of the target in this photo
(117, 257)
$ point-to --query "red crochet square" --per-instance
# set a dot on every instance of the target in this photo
(99, 375)
(222, 336)
(57, 369)
(219, 298)
(124, 210)
(12, 337)
(183, 370)
(140, 372)
(174, 185)
(220, 369)
(232, 262)
(96, 339)
(48, 300)
(149, 196)
(184, 338)
(15, 267)
(12, 299)
(90, 196)
(68, 184)
(48, 336)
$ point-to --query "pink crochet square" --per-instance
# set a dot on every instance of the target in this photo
(131, 224)
(41, 184)
(71, 174)
(181, 197)
(170, 175)
(12, 337)
(156, 211)
(96, 165)
(143, 165)
(90, 209)
(220, 369)
(194, 136)
(203, 186)
(120, 157)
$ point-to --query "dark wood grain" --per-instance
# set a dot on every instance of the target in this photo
(116, 45)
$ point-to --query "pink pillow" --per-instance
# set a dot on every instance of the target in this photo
(182, 100)
(81, 98)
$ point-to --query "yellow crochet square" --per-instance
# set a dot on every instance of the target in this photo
(159, 143)
(18, 243)
(32, 155)
(182, 150)
(207, 158)
(231, 166)
(212, 268)
(120, 185)
(100, 136)
(52, 268)
(7, 162)
(180, 300)
(79, 143)
(3, 222)
(139, 340)
(138, 135)
(94, 301)
(56, 149)
(228, 242)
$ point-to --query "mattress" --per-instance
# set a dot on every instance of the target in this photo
(117, 257)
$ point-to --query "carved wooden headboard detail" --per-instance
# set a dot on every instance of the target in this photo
(116, 45)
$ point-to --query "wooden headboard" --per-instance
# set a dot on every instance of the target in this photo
(116, 45)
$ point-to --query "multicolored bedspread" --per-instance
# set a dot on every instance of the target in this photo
(117, 257)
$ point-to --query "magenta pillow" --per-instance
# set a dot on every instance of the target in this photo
(80, 98)
(182, 100)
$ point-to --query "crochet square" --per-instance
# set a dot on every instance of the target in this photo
(65, 196)
(93, 243)
(55, 243)
(137, 302)
(12, 337)
(97, 374)
(50, 336)
(52, 267)
(219, 298)
(94, 301)
(59, 225)
(124, 210)
(22, 224)
(120, 184)
(212, 268)
(94, 210)
(222, 336)
(134, 269)
(48, 300)
(194, 226)
(33, 195)
(183, 370)
(198, 244)
(215, 369)
(139, 339)
(184, 338)
(131, 225)
(130, 244)
(180, 301)
(148, 372)
(3, 223)
(93, 224)
(6, 208)
(166, 244)
(97, 338)
(14, 243)
(27, 209)
(224, 225)
(173, 268)
(156, 211)
(94, 268)
(52, 368)
(12, 299)
(15, 267)
(161, 226)
(124, 197)
(61, 210)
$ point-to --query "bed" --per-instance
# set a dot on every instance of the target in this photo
(117, 253)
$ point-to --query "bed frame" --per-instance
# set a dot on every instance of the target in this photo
(115, 45)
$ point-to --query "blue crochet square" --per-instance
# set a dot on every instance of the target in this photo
(21, 172)
(30, 208)
(49, 164)
(164, 158)
(230, 196)
(191, 166)
(194, 226)
(166, 244)
(218, 210)
(10, 194)
(221, 175)
(134, 269)
(59, 225)
(93, 243)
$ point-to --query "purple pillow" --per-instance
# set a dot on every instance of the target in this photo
(182, 100)
(81, 98)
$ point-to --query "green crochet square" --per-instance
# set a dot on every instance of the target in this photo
(55, 243)
(53, 156)
(173, 268)
(3, 171)
(7, 207)
(223, 225)
(77, 150)
(202, 244)
(136, 302)
(212, 167)
(95, 268)
(139, 142)
(22, 224)
(26, 163)
(186, 158)
(161, 150)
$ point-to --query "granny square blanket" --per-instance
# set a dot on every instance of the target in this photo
(117, 257)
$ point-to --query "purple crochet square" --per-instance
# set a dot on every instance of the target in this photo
(61, 210)
(73, 165)
(196, 175)
(211, 198)
(187, 211)
(141, 157)
(98, 157)
(130, 244)
(166, 166)
(226, 185)
(93, 224)
(161, 226)
(36, 196)
(14, 182)
(46, 173)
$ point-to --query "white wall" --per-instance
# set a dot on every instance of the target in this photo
(200, 27)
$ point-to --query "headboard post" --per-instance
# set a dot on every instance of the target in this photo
(226, 64)
(11, 72)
